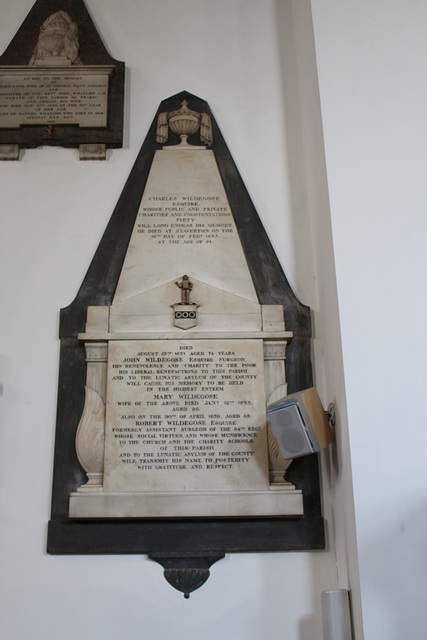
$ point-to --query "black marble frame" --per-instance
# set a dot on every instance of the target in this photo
(189, 538)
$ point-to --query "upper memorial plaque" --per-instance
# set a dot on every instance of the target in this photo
(59, 86)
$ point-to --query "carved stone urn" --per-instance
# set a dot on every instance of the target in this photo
(184, 122)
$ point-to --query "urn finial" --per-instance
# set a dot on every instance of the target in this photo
(184, 122)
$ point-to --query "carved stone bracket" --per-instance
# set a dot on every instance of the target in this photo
(92, 152)
(186, 571)
(9, 151)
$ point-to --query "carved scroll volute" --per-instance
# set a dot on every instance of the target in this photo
(90, 437)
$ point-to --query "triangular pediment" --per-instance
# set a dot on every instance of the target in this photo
(217, 310)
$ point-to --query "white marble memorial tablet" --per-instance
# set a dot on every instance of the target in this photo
(185, 416)
(54, 95)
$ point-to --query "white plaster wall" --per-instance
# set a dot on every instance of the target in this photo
(372, 59)
(240, 55)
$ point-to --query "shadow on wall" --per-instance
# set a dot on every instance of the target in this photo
(294, 143)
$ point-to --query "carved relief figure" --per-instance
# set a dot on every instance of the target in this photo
(58, 42)
(185, 285)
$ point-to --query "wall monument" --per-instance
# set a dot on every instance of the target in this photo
(185, 328)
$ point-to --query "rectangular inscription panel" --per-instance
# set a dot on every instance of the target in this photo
(34, 96)
(185, 417)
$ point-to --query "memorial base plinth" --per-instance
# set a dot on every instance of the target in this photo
(283, 502)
